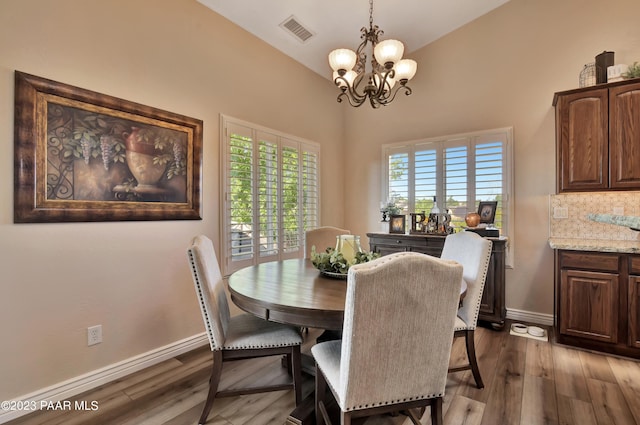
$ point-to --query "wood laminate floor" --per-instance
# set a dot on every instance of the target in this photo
(528, 382)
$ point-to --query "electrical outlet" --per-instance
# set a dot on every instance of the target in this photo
(94, 335)
(618, 210)
(560, 212)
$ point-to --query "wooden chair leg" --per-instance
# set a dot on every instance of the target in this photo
(214, 380)
(436, 411)
(296, 369)
(321, 389)
(471, 353)
(287, 364)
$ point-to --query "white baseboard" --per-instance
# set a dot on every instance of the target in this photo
(530, 316)
(74, 386)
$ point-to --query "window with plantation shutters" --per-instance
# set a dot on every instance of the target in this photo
(459, 171)
(271, 194)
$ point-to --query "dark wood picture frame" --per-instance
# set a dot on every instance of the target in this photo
(86, 156)
(397, 223)
(487, 211)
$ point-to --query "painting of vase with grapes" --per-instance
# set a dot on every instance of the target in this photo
(86, 156)
(99, 157)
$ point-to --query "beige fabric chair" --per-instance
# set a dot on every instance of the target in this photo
(397, 335)
(474, 253)
(237, 337)
(321, 238)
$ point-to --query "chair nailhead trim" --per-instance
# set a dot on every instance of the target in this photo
(235, 347)
(386, 403)
(194, 270)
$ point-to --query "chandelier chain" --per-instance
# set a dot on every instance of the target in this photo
(370, 14)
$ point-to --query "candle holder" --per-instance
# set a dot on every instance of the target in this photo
(348, 246)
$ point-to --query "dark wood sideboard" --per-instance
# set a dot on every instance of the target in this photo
(492, 309)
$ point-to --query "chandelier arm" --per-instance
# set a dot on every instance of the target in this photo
(352, 101)
(383, 78)
(392, 96)
(353, 88)
(350, 92)
(375, 103)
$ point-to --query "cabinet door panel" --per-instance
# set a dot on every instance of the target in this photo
(589, 306)
(624, 136)
(634, 311)
(583, 140)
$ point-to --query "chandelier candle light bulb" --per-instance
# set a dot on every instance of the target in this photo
(388, 52)
(342, 60)
(406, 69)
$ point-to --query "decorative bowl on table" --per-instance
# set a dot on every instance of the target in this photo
(331, 263)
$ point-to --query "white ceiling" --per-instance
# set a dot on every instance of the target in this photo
(337, 23)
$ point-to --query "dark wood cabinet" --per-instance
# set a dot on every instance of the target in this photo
(597, 301)
(492, 308)
(582, 140)
(634, 301)
(598, 137)
(589, 305)
(624, 136)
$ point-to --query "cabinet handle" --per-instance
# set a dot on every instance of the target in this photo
(398, 241)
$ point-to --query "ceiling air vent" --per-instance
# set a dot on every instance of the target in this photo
(293, 26)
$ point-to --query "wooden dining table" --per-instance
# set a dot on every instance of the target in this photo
(293, 292)
(290, 291)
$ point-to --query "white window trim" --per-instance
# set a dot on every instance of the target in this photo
(508, 174)
(283, 139)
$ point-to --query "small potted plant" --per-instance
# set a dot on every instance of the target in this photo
(388, 209)
(633, 71)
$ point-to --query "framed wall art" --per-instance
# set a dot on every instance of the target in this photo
(86, 156)
(487, 211)
(397, 223)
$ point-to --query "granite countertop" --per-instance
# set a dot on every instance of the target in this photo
(600, 245)
(619, 220)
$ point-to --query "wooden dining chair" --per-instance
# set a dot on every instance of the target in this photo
(321, 238)
(238, 337)
(474, 253)
(398, 321)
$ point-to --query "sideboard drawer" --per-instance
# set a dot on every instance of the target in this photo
(407, 244)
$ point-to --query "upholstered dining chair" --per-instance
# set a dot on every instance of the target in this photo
(238, 337)
(474, 253)
(397, 335)
(321, 238)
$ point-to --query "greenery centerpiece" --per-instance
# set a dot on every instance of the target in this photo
(333, 263)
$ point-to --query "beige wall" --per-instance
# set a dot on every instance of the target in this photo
(57, 279)
(132, 277)
(500, 70)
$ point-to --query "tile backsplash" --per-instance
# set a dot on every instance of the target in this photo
(576, 206)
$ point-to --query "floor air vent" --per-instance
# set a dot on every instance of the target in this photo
(293, 26)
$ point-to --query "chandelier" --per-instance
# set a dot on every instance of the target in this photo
(387, 74)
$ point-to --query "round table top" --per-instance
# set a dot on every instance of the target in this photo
(290, 291)
(293, 292)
